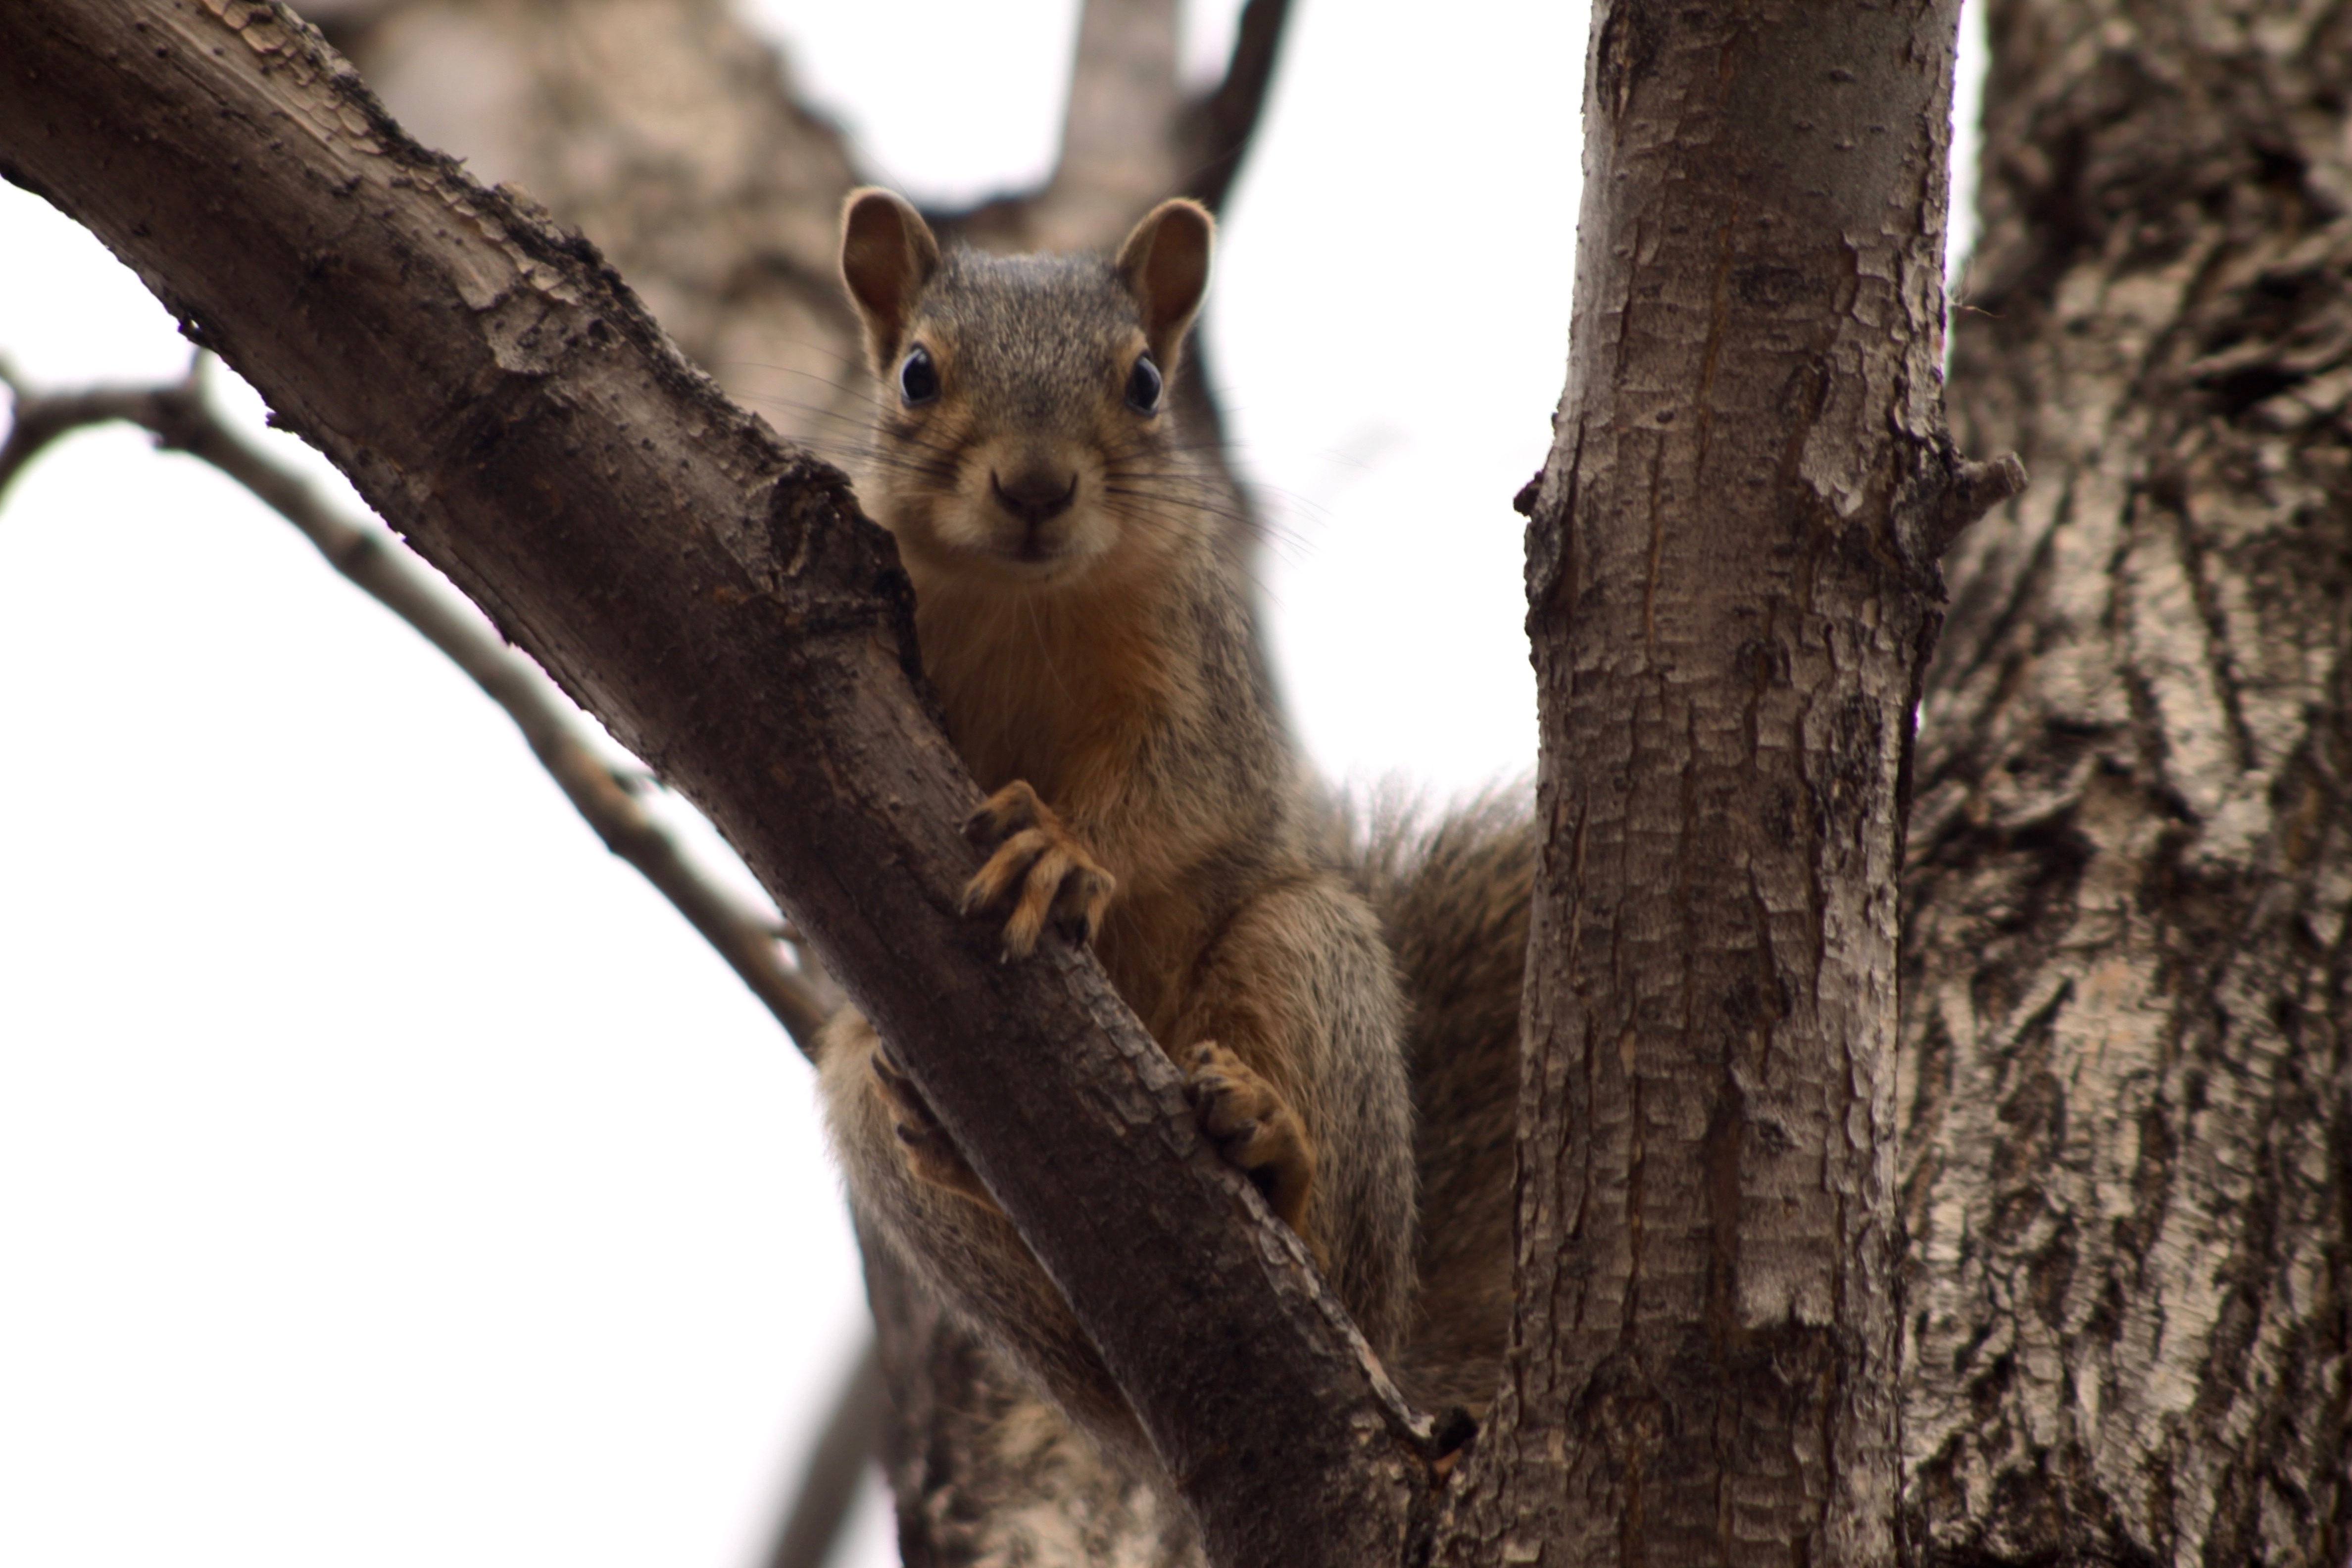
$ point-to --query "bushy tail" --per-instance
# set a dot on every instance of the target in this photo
(1453, 892)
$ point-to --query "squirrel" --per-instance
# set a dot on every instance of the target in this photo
(1091, 642)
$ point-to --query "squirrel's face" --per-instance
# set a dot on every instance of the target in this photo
(1022, 423)
(1022, 435)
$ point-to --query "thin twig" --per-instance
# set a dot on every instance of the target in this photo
(183, 420)
(43, 419)
(852, 1436)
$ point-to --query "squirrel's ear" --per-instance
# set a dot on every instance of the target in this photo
(888, 255)
(1166, 264)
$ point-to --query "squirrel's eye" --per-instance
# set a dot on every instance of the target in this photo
(1143, 386)
(918, 379)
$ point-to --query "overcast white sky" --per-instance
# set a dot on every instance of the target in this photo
(387, 1176)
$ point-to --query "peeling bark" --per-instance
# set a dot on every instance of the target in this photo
(2126, 1092)
(669, 133)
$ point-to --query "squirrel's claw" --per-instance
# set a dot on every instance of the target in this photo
(930, 1153)
(1039, 867)
(1254, 1128)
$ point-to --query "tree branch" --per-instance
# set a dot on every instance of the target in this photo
(1117, 155)
(1218, 127)
(38, 421)
(183, 420)
(845, 1450)
(671, 133)
(1702, 1362)
(715, 599)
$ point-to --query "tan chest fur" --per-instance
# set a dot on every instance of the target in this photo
(1065, 690)
(1056, 688)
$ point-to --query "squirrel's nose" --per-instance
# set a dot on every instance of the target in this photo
(1035, 496)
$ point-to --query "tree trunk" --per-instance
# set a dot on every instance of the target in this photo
(2126, 1132)
(1732, 593)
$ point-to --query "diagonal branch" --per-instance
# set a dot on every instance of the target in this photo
(715, 599)
(1216, 130)
(183, 420)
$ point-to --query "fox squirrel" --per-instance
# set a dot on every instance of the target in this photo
(1091, 643)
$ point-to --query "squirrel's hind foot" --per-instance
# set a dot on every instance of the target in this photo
(1039, 866)
(1254, 1128)
(930, 1153)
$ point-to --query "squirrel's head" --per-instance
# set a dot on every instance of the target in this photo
(1023, 432)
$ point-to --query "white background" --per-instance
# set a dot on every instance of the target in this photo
(387, 1176)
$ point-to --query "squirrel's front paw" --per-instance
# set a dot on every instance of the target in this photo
(1039, 867)
(1254, 1128)
(931, 1154)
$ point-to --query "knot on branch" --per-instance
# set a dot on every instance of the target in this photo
(1976, 489)
(1952, 491)
(838, 567)
(1524, 503)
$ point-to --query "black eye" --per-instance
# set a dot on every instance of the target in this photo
(1143, 386)
(918, 379)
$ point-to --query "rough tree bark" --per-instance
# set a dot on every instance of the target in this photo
(2126, 1132)
(670, 134)
(1732, 594)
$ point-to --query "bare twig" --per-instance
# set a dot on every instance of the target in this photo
(41, 420)
(183, 420)
(844, 1449)
(1217, 130)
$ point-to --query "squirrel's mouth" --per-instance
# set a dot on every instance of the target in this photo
(1038, 544)
(1037, 502)
(1034, 497)
(1011, 534)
